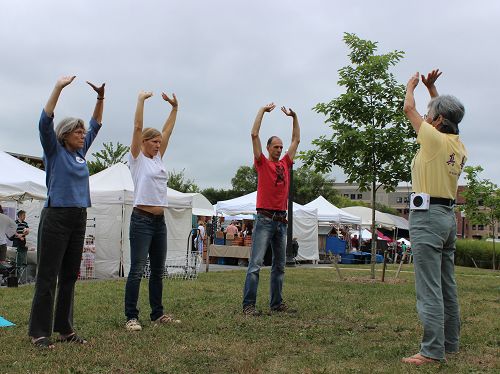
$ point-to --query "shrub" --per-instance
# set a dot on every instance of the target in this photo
(480, 252)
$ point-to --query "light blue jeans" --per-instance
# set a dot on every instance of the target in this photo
(266, 232)
(433, 234)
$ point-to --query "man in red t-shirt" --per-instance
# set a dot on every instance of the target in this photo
(270, 224)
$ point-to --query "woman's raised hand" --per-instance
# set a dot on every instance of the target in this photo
(172, 101)
(99, 90)
(64, 81)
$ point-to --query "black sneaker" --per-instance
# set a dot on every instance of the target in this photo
(283, 308)
(250, 310)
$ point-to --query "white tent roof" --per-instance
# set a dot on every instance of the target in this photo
(365, 213)
(403, 240)
(17, 178)
(327, 212)
(245, 204)
(201, 205)
(400, 222)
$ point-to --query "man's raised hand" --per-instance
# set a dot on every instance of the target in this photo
(289, 112)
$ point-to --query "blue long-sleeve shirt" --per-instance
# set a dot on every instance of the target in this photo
(67, 175)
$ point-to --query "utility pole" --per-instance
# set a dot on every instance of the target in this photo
(290, 261)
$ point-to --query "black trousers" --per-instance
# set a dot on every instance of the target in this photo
(61, 233)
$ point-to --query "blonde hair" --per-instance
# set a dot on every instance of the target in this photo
(149, 133)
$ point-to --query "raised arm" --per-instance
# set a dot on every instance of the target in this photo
(99, 105)
(430, 80)
(409, 105)
(168, 127)
(257, 146)
(135, 146)
(54, 96)
(295, 132)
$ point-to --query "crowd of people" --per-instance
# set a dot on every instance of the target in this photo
(435, 172)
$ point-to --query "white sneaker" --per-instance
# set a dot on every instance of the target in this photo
(133, 325)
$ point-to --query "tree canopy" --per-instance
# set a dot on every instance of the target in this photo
(482, 201)
(370, 139)
(108, 156)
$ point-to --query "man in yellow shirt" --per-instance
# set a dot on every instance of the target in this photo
(435, 171)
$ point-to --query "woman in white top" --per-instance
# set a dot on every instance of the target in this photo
(148, 232)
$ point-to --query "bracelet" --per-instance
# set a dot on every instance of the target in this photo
(100, 98)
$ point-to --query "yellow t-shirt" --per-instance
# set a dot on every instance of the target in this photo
(438, 163)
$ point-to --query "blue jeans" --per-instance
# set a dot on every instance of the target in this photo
(265, 232)
(148, 236)
(433, 234)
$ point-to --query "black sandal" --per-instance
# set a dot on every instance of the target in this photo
(42, 342)
(72, 338)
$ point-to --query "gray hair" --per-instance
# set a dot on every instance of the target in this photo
(451, 109)
(67, 126)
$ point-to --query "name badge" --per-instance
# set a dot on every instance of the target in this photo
(79, 160)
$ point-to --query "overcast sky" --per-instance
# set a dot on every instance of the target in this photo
(225, 59)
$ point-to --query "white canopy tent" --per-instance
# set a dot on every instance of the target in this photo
(305, 222)
(403, 240)
(400, 222)
(22, 186)
(19, 180)
(327, 212)
(381, 219)
(112, 194)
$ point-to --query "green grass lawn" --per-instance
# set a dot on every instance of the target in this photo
(350, 326)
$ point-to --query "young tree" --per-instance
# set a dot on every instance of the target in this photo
(482, 201)
(107, 157)
(372, 141)
(179, 182)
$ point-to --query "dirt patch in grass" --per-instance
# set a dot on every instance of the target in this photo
(366, 280)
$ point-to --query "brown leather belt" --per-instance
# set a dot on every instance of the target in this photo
(275, 215)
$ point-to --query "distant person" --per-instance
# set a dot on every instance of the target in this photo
(63, 220)
(271, 223)
(148, 230)
(19, 239)
(232, 229)
(435, 171)
(355, 242)
(7, 229)
(200, 237)
(248, 229)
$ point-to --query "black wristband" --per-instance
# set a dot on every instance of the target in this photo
(100, 98)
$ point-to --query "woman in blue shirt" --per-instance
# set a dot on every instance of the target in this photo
(63, 219)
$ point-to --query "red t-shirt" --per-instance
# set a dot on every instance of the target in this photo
(272, 182)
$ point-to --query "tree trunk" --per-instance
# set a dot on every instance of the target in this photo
(494, 251)
(374, 232)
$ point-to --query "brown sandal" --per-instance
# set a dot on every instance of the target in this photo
(72, 338)
(418, 360)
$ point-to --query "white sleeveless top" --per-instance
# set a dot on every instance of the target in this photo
(150, 180)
